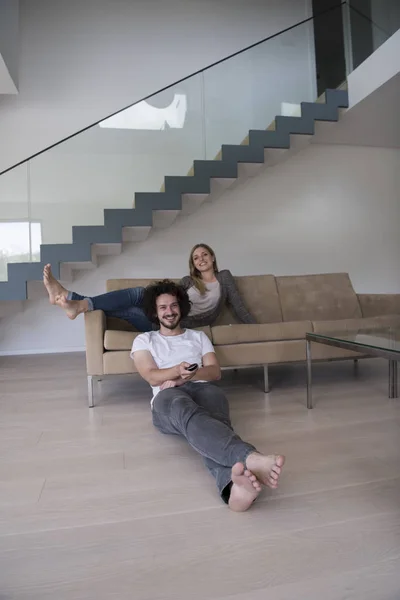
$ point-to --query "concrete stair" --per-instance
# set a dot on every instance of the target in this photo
(180, 195)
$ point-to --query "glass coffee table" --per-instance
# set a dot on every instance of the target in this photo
(384, 343)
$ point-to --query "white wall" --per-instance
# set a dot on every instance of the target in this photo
(103, 168)
(9, 39)
(329, 208)
(376, 70)
(81, 61)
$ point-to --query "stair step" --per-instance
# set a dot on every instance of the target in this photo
(188, 185)
(215, 168)
(269, 139)
(57, 253)
(12, 290)
(339, 98)
(29, 271)
(206, 180)
(158, 201)
(319, 112)
(298, 125)
(237, 154)
(116, 218)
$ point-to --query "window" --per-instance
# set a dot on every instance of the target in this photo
(19, 242)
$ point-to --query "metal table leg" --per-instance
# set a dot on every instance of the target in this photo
(309, 375)
(266, 379)
(393, 383)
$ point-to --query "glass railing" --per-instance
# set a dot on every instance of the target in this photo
(367, 25)
(103, 166)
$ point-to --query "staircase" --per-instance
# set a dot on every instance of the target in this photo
(180, 194)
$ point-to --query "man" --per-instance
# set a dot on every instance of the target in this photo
(186, 403)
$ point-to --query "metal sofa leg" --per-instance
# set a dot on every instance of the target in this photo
(355, 366)
(266, 379)
(92, 380)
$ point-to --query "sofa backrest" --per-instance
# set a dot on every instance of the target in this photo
(258, 292)
(260, 296)
(121, 284)
(328, 296)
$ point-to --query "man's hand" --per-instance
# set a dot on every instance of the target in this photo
(170, 383)
(184, 373)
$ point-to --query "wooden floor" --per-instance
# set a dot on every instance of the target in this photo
(96, 504)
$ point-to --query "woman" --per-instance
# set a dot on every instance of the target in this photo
(208, 289)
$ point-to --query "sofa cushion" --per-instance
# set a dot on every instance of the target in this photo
(118, 362)
(123, 340)
(373, 305)
(239, 334)
(356, 324)
(119, 324)
(261, 353)
(260, 296)
(318, 297)
(280, 351)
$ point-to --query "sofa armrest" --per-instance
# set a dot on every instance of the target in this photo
(95, 326)
(375, 305)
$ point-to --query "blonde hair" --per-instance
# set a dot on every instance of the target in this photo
(194, 273)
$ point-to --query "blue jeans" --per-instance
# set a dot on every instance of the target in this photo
(124, 304)
(200, 413)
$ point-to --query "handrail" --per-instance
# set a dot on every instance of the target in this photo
(173, 84)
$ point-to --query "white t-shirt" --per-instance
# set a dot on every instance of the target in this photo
(202, 303)
(168, 351)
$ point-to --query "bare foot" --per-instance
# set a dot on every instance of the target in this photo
(53, 287)
(73, 308)
(267, 469)
(245, 488)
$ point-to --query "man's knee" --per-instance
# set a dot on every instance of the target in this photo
(213, 396)
(170, 400)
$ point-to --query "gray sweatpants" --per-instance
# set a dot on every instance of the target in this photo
(200, 413)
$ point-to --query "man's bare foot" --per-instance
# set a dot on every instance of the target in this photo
(53, 287)
(245, 488)
(267, 469)
(73, 308)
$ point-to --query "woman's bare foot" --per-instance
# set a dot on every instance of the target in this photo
(267, 469)
(245, 488)
(53, 287)
(73, 308)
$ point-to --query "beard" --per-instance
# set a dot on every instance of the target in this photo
(170, 324)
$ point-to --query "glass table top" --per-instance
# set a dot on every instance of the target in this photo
(385, 339)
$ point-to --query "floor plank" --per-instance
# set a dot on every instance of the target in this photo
(96, 503)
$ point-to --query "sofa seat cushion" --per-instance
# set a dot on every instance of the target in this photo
(123, 340)
(264, 332)
(118, 363)
(355, 324)
(261, 353)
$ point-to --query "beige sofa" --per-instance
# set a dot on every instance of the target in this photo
(286, 308)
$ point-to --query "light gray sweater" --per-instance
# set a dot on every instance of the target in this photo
(229, 294)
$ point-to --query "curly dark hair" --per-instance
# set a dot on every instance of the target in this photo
(156, 289)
